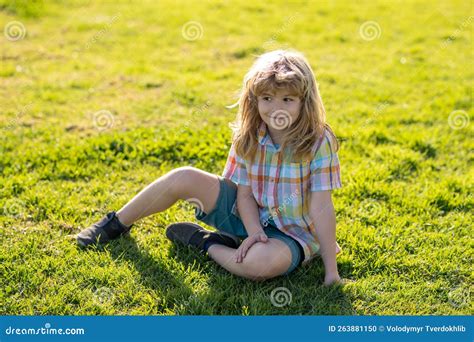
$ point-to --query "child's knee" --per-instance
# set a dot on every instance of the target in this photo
(264, 262)
(181, 179)
(256, 271)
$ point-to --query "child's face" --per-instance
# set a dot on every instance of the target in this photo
(279, 109)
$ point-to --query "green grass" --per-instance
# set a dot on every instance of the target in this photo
(405, 210)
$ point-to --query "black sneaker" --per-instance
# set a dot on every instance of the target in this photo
(109, 228)
(192, 234)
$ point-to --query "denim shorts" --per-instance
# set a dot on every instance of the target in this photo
(223, 217)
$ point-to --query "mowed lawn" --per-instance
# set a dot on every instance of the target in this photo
(99, 98)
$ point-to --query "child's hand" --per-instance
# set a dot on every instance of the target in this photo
(332, 279)
(247, 243)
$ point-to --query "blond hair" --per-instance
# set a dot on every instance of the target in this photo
(281, 69)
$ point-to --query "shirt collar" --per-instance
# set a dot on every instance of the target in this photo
(264, 137)
(262, 133)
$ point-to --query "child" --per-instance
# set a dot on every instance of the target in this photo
(275, 191)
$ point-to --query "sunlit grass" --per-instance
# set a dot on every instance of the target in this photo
(98, 99)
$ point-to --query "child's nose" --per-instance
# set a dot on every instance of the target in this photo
(277, 108)
(279, 105)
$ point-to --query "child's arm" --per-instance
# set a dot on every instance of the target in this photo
(324, 218)
(248, 211)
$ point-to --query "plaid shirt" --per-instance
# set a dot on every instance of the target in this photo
(282, 189)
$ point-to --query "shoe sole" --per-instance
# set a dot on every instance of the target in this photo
(231, 236)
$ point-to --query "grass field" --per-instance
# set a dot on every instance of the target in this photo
(98, 99)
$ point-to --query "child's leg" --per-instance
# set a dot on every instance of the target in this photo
(264, 260)
(182, 183)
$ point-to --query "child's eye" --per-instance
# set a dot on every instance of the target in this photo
(266, 98)
(287, 98)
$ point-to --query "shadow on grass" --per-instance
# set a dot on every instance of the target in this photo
(155, 274)
(299, 293)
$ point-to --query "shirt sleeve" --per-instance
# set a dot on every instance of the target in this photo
(235, 168)
(325, 168)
